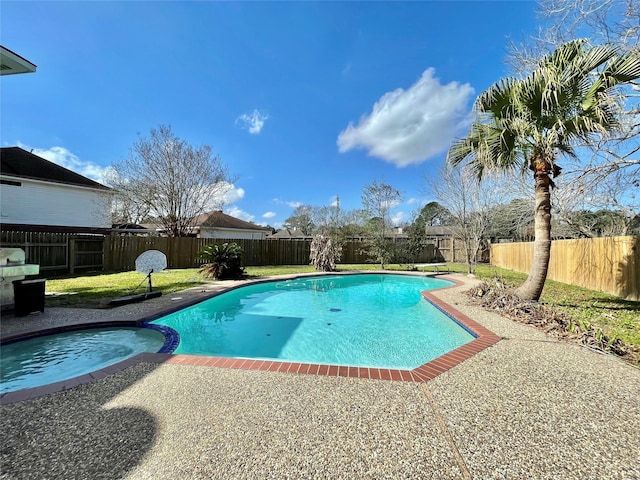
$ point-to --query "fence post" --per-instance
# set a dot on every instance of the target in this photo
(72, 255)
(105, 253)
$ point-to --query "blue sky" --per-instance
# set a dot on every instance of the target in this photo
(302, 100)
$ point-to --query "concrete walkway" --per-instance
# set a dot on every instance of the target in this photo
(529, 407)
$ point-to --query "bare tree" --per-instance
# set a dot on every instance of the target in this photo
(352, 223)
(377, 201)
(470, 206)
(603, 21)
(609, 21)
(330, 226)
(619, 195)
(612, 161)
(327, 219)
(170, 180)
(336, 222)
(512, 220)
(124, 208)
(301, 219)
(581, 207)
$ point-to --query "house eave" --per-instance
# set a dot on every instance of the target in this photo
(11, 63)
(19, 227)
(19, 178)
(228, 229)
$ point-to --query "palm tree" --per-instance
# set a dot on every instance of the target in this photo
(527, 123)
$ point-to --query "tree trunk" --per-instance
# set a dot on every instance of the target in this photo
(467, 252)
(531, 289)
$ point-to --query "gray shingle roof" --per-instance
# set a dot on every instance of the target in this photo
(222, 220)
(17, 162)
(285, 233)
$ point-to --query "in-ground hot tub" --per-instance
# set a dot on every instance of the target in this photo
(61, 355)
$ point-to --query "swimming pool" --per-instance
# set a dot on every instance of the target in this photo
(368, 320)
(60, 356)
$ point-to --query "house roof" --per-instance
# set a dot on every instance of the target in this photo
(218, 219)
(439, 230)
(12, 63)
(17, 162)
(128, 226)
(286, 233)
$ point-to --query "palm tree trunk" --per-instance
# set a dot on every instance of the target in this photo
(531, 289)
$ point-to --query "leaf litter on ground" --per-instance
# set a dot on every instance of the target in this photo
(499, 297)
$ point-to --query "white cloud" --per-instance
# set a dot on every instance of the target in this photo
(397, 218)
(276, 225)
(279, 201)
(225, 194)
(409, 126)
(413, 201)
(63, 157)
(269, 215)
(231, 194)
(238, 213)
(253, 121)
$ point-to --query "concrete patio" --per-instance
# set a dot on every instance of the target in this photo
(528, 407)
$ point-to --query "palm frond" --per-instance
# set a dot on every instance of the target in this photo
(461, 149)
(498, 99)
(486, 148)
(566, 99)
(622, 69)
(564, 55)
(594, 58)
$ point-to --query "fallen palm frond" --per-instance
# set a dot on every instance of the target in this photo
(496, 296)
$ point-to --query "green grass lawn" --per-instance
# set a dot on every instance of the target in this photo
(95, 291)
(616, 317)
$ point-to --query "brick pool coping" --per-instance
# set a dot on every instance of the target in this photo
(484, 339)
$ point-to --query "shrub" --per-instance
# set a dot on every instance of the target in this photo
(324, 254)
(224, 261)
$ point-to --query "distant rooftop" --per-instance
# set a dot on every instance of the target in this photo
(221, 220)
(288, 234)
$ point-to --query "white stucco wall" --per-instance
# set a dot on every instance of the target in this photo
(232, 233)
(42, 203)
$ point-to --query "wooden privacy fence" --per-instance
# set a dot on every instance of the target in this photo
(354, 252)
(72, 253)
(451, 249)
(607, 264)
(57, 252)
(120, 252)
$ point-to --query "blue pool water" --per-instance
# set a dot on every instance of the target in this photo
(52, 358)
(360, 320)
